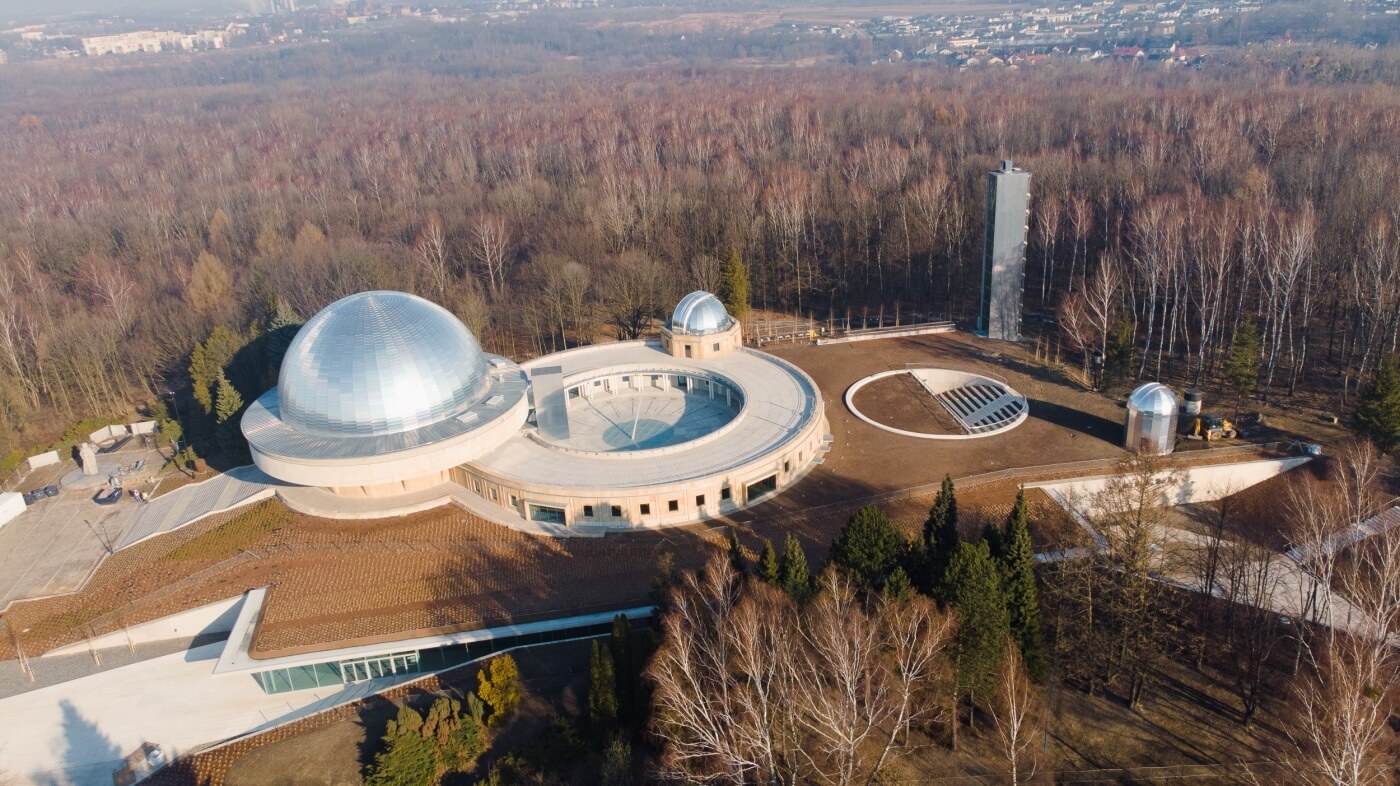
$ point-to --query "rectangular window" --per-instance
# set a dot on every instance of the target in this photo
(327, 674)
(588, 511)
(646, 509)
(716, 348)
(303, 677)
(494, 498)
(785, 466)
(477, 484)
(573, 393)
(687, 350)
(673, 505)
(546, 514)
(617, 511)
(515, 501)
(760, 487)
(626, 379)
(724, 493)
(700, 501)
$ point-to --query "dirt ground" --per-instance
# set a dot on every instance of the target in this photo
(901, 402)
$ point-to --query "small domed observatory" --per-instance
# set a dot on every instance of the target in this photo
(701, 328)
(1150, 423)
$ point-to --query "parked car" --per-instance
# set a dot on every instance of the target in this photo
(31, 497)
(109, 497)
(50, 491)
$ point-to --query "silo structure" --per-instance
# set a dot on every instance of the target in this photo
(1150, 423)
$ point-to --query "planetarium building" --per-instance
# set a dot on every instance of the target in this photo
(384, 394)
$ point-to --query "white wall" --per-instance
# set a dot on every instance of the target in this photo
(217, 617)
(11, 505)
(1198, 484)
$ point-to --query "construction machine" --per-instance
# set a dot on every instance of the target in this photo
(1211, 428)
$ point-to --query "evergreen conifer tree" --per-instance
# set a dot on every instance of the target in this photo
(228, 404)
(1121, 352)
(627, 668)
(602, 690)
(940, 538)
(736, 553)
(793, 575)
(1017, 562)
(1241, 367)
(898, 586)
(975, 589)
(498, 684)
(409, 757)
(868, 548)
(734, 285)
(1378, 412)
(768, 568)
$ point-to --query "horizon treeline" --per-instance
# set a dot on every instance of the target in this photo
(1168, 206)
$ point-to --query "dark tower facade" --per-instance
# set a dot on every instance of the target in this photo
(1004, 252)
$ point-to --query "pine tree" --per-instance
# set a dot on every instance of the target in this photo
(499, 686)
(1122, 351)
(602, 690)
(736, 553)
(768, 568)
(983, 624)
(1241, 367)
(898, 586)
(734, 285)
(794, 578)
(408, 758)
(1378, 412)
(228, 405)
(940, 538)
(627, 668)
(868, 548)
(1017, 563)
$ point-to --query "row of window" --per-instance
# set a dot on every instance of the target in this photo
(320, 675)
(672, 506)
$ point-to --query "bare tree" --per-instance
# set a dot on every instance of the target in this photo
(432, 255)
(1018, 717)
(491, 250)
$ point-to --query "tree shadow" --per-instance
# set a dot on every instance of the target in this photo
(1076, 420)
(88, 754)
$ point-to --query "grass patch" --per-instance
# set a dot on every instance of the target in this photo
(231, 537)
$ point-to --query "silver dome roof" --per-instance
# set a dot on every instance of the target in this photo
(1154, 398)
(699, 313)
(379, 363)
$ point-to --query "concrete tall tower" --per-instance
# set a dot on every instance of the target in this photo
(1004, 252)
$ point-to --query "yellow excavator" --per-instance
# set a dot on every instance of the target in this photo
(1211, 428)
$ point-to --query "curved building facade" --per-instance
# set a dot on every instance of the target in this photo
(384, 393)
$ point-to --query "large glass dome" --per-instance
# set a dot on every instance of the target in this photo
(380, 363)
(699, 313)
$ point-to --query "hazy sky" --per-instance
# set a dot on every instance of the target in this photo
(35, 10)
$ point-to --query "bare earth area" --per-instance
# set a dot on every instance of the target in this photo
(901, 402)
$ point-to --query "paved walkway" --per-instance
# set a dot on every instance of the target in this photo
(75, 733)
(55, 546)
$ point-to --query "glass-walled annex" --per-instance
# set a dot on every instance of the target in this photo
(364, 668)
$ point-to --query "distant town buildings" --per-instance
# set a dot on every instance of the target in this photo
(152, 41)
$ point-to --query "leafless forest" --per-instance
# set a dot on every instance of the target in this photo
(548, 203)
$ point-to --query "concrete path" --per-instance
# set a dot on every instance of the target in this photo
(76, 732)
(53, 547)
(237, 487)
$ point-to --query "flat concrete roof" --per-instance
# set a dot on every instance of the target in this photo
(779, 401)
